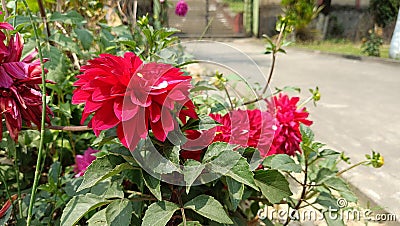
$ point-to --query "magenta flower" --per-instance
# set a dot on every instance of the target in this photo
(181, 8)
(83, 161)
(288, 118)
(20, 95)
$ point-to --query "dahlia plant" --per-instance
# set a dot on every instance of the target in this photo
(156, 145)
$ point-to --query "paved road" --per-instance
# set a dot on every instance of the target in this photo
(359, 109)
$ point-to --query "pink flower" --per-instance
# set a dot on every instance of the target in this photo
(135, 97)
(249, 128)
(20, 95)
(181, 8)
(288, 118)
(83, 161)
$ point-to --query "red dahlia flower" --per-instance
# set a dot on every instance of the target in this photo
(288, 118)
(20, 96)
(124, 92)
(249, 128)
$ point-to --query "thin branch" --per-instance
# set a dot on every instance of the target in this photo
(44, 19)
(69, 128)
(43, 118)
(278, 44)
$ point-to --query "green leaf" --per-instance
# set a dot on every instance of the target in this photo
(306, 134)
(191, 170)
(103, 168)
(333, 219)
(71, 17)
(327, 201)
(54, 172)
(208, 207)
(202, 88)
(232, 164)
(98, 219)
(323, 175)
(159, 213)
(328, 153)
(65, 42)
(119, 212)
(153, 184)
(108, 189)
(273, 185)
(282, 162)
(57, 66)
(215, 149)
(85, 37)
(78, 206)
(235, 190)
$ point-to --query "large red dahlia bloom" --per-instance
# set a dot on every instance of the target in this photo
(124, 92)
(20, 95)
(288, 118)
(249, 128)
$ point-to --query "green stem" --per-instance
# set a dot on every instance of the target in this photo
(305, 102)
(278, 45)
(16, 168)
(3, 179)
(351, 167)
(229, 97)
(15, 13)
(42, 127)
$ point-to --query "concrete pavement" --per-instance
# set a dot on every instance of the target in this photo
(359, 108)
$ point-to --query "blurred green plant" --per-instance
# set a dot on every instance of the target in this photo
(371, 45)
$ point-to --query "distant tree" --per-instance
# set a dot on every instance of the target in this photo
(384, 11)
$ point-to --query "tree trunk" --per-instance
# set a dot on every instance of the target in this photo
(394, 51)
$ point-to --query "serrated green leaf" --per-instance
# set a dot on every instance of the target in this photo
(327, 201)
(208, 207)
(191, 170)
(78, 206)
(235, 190)
(307, 134)
(108, 189)
(119, 212)
(232, 164)
(282, 162)
(159, 213)
(328, 153)
(323, 175)
(153, 184)
(103, 168)
(85, 37)
(98, 219)
(216, 149)
(273, 185)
